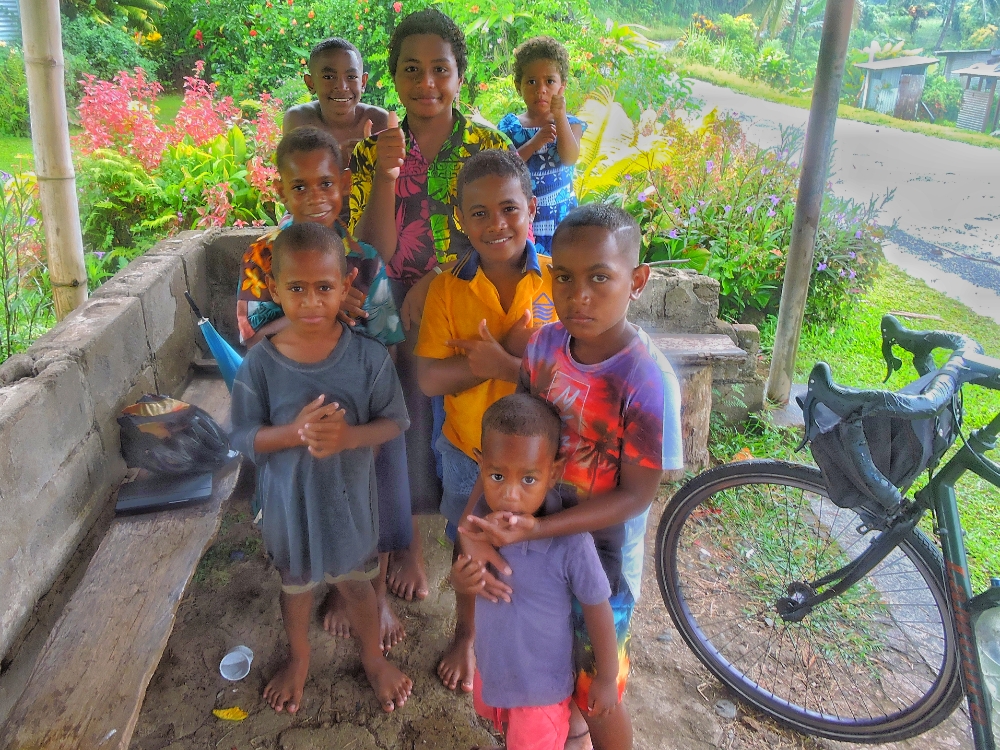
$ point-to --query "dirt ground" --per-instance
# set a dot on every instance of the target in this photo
(234, 600)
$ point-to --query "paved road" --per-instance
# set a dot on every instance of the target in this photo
(947, 193)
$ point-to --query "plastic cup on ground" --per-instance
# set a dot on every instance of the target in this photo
(236, 664)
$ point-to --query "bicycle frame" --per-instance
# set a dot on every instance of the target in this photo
(939, 495)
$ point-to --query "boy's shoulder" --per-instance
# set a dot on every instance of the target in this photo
(300, 115)
(378, 116)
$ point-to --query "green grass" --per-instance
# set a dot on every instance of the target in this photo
(662, 32)
(169, 104)
(10, 147)
(853, 351)
(760, 90)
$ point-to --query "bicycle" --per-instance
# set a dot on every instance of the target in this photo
(810, 592)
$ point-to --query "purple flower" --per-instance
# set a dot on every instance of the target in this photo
(672, 234)
(843, 272)
(765, 170)
(851, 275)
(821, 267)
(727, 209)
(99, 256)
(770, 212)
(692, 211)
(709, 166)
(4, 175)
(646, 194)
(628, 177)
(701, 203)
(180, 216)
(853, 255)
(775, 200)
(794, 165)
(677, 211)
(31, 221)
(857, 235)
(749, 209)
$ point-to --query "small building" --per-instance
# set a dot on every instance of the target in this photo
(979, 85)
(954, 59)
(894, 86)
(10, 21)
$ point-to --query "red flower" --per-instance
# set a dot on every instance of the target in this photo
(311, 14)
(198, 35)
(474, 9)
(397, 6)
(483, 86)
(253, 32)
(361, 27)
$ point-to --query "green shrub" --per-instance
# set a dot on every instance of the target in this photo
(942, 97)
(13, 92)
(724, 207)
(103, 49)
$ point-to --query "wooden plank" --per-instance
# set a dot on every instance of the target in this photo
(88, 684)
(691, 349)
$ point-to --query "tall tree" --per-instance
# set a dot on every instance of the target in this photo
(770, 15)
(944, 25)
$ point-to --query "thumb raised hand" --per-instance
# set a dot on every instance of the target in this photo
(367, 128)
(525, 320)
(393, 119)
(484, 332)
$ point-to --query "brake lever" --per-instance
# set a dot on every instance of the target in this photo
(892, 362)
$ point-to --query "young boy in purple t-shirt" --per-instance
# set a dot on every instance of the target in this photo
(620, 406)
(524, 648)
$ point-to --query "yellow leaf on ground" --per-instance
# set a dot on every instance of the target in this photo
(743, 455)
(230, 714)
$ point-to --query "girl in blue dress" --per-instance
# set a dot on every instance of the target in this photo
(545, 136)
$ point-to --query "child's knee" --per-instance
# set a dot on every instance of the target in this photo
(355, 592)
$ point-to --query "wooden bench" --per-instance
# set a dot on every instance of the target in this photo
(89, 681)
(692, 356)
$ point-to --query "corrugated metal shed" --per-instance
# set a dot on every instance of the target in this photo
(960, 58)
(892, 63)
(10, 21)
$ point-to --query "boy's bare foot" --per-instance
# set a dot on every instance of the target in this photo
(335, 620)
(389, 627)
(284, 691)
(458, 665)
(407, 576)
(391, 686)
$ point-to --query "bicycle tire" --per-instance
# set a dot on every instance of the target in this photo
(877, 664)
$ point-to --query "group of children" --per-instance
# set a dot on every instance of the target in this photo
(454, 339)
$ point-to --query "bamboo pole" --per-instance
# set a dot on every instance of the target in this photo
(41, 31)
(815, 164)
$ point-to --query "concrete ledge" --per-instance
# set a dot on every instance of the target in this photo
(59, 400)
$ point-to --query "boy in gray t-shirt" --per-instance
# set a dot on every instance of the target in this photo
(524, 647)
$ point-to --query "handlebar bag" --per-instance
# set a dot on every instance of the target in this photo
(900, 449)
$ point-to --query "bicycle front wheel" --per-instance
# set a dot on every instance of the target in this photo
(877, 663)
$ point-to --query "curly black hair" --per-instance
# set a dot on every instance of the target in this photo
(523, 415)
(429, 21)
(616, 221)
(305, 140)
(338, 43)
(540, 48)
(494, 161)
(306, 237)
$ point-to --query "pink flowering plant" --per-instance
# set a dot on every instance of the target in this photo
(724, 207)
(140, 180)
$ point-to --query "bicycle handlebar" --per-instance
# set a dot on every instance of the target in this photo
(851, 405)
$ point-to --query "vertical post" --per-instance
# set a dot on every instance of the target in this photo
(815, 164)
(41, 32)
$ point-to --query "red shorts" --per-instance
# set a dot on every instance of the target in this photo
(529, 727)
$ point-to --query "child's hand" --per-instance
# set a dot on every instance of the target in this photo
(314, 411)
(602, 695)
(557, 105)
(327, 436)
(486, 357)
(390, 150)
(500, 528)
(468, 576)
(545, 135)
(516, 340)
(351, 307)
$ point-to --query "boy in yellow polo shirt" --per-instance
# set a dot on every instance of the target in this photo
(476, 323)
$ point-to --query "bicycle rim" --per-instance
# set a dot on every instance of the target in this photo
(876, 664)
